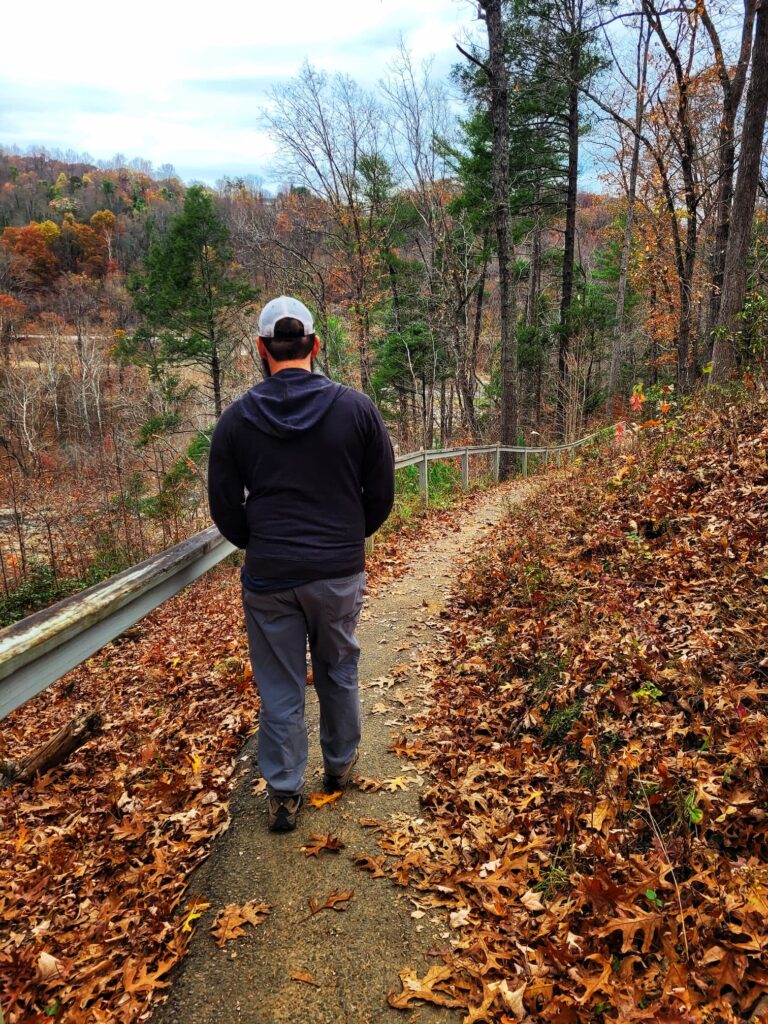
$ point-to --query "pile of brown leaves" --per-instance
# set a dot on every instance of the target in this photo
(598, 830)
(95, 855)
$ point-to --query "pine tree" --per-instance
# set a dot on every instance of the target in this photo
(189, 298)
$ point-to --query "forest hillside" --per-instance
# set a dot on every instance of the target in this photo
(597, 825)
(576, 216)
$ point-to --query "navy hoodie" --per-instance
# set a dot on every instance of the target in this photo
(301, 470)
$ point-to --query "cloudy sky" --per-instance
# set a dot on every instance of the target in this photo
(184, 83)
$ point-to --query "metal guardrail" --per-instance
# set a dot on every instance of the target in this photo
(41, 648)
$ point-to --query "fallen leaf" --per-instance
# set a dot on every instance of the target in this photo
(394, 784)
(321, 799)
(49, 967)
(306, 978)
(459, 917)
(532, 900)
(230, 921)
(196, 910)
(332, 901)
(368, 785)
(513, 998)
(437, 986)
(318, 843)
(376, 824)
(375, 865)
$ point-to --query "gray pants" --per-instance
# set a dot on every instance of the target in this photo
(326, 612)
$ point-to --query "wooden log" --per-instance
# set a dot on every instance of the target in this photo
(53, 751)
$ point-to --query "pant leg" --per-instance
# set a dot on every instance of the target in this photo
(332, 608)
(277, 643)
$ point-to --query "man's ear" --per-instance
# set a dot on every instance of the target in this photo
(316, 347)
(262, 348)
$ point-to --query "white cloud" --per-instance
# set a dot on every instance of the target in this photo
(183, 83)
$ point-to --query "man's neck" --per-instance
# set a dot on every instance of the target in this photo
(290, 364)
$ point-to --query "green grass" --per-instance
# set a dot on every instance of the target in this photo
(443, 488)
(42, 587)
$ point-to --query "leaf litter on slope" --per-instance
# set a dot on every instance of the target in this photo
(598, 819)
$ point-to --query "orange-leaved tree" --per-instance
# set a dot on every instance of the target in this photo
(33, 248)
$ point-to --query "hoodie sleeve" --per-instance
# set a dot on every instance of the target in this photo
(378, 473)
(226, 489)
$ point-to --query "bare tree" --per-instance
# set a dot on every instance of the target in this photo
(443, 241)
(329, 132)
(732, 81)
(639, 88)
(744, 199)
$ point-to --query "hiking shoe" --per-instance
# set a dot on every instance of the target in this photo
(283, 812)
(334, 783)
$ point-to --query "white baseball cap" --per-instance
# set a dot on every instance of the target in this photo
(280, 308)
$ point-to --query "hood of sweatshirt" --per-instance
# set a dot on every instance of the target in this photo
(290, 402)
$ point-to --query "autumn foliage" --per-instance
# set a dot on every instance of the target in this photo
(95, 856)
(598, 815)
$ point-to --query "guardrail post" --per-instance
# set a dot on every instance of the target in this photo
(525, 463)
(496, 462)
(557, 457)
(424, 480)
(465, 469)
(369, 545)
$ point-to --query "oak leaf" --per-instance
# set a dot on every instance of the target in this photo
(321, 799)
(394, 784)
(49, 967)
(230, 921)
(318, 843)
(333, 901)
(375, 824)
(196, 910)
(630, 927)
(437, 986)
(368, 785)
(374, 865)
(532, 901)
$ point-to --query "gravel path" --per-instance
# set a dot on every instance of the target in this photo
(353, 956)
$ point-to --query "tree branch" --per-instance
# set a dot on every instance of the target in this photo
(483, 67)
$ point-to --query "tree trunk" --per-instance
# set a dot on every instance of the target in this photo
(534, 277)
(216, 381)
(364, 343)
(500, 122)
(477, 327)
(733, 90)
(443, 414)
(53, 751)
(614, 374)
(685, 257)
(743, 210)
(569, 250)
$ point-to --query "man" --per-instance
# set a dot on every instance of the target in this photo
(301, 470)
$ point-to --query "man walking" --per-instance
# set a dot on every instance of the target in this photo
(301, 470)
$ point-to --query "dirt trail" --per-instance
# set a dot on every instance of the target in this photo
(354, 956)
